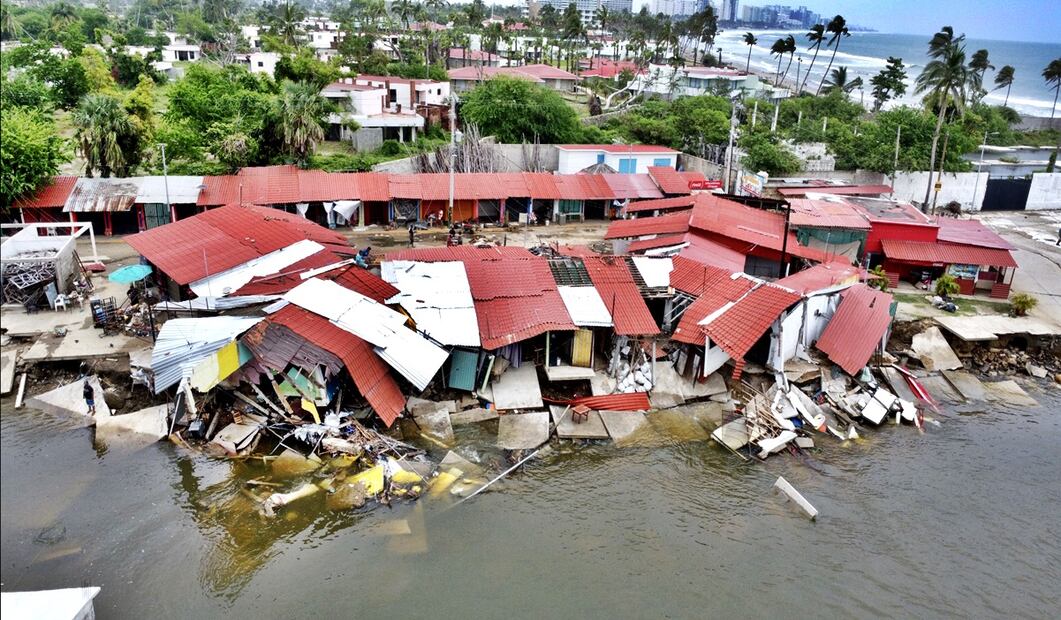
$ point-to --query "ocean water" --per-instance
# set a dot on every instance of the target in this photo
(865, 54)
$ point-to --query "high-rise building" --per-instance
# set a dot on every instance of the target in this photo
(674, 7)
(728, 11)
(588, 8)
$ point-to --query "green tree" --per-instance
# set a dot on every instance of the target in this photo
(889, 84)
(301, 112)
(750, 40)
(837, 27)
(30, 153)
(208, 95)
(514, 110)
(763, 152)
(1052, 75)
(97, 71)
(106, 137)
(816, 36)
(284, 21)
(947, 79)
(839, 82)
(304, 67)
(1004, 79)
(25, 91)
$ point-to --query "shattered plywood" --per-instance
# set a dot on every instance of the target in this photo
(523, 431)
(968, 385)
(933, 350)
(472, 416)
(69, 399)
(1011, 393)
(518, 389)
(566, 428)
(142, 427)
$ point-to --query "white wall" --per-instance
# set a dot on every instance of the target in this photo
(263, 62)
(1045, 192)
(573, 161)
(433, 93)
(958, 186)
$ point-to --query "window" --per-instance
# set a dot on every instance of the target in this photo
(627, 166)
(261, 64)
(571, 207)
(661, 161)
(600, 158)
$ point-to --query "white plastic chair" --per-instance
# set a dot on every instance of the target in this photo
(60, 301)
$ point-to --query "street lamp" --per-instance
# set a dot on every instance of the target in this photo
(980, 167)
(799, 65)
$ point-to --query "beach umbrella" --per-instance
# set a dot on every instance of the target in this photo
(130, 273)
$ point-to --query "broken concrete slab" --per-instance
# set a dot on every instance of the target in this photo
(990, 327)
(966, 384)
(1036, 371)
(420, 406)
(623, 424)
(713, 385)
(523, 431)
(799, 372)
(235, 437)
(602, 384)
(898, 383)
(667, 389)
(472, 416)
(68, 399)
(940, 389)
(665, 400)
(518, 389)
(81, 342)
(436, 424)
(566, 428)
(454, 460)
(142, 427)
(933, 350)
(7, 372)
(677, 425)
(1011, 393)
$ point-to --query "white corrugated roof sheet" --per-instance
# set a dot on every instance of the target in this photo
(183, 343)
(226, 282)
(415, 357)
(654, 271)
(438, 298)
(182, 189)
(585, 306)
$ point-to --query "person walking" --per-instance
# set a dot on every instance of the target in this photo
(412, 234)
(90, 397)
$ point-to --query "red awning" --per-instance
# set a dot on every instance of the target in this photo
(936, 252)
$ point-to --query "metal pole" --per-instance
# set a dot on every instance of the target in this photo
(773, 125)
(755, 112)
(895, 166)
(781, 269)
(799, 65)
(979, 169)
(165, 181)
(452, 153)
(729, 151)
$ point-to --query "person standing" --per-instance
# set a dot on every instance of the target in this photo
(412, 234)
(90, 397)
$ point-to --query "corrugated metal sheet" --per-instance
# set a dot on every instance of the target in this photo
(757, 227)
(275, 346)
(415, 357)
(655, 243)
(463, 253)
(738, 328)
(231, 280)
(183, 343)
(541, 185)
(370, 374)
(717, 288)
(670, 224)
(670, 181)
(181, 189)
(612, 278)
(662, 204)
(655, 272)
(924, 252)
(585, 306)
(438, 298)
(631, 186)
(821, 277)
(857, 327)
(693, 277)
(634, 401)
(711, 253)
(54, 194)
(102, 195)
(970, 232)
(826, 214)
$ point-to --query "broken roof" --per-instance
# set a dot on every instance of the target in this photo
(717, 288)
(857, 327)
(669, 224)
(612, 278)
(183, 343)
(820, 277)
(739, 326)
(438, 298)
(220, 239)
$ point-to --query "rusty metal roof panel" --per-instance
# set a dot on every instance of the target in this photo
(102, 195)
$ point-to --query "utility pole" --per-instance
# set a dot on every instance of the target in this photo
(939, 176)
(755, 112)
(165, 183)
(799, 65)
(773, 125)
(979, 169)
(729, 151)
(895, 165)
(452, 152)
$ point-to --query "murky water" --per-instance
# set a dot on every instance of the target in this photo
(960, 521)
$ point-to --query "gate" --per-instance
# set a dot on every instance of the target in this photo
(1006, 194)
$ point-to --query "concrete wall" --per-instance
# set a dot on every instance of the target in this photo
(368, 138)
(958, 186)
(693, 163)
(396, 166)
(1035, 123)
(1045, 192)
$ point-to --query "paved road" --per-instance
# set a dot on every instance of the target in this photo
(1034, 235)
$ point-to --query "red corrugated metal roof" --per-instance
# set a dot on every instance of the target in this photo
(857, 327)
(656, 242)
(693, 277)
(461, 253)
(734, 220)
(271, 184)
(671, 181)
(662, 204)
(632, 186)
(708, 252)
(405, 186)
(280, 283)
(507, 320)
(840, 190)
(719, 288)
(52, 195)
(370, 374)
(970, 232)
(820, 277)
(669, 224)
(633, 401)
(826, 214)
(740, 326)
(927, 252)
(612, 278)
(212, 242)
(541, 185)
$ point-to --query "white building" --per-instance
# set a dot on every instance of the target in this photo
(260, 62)
(252, 34)
(396, 108)
(674, 82)
(623, 158)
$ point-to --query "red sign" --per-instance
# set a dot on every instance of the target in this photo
(706, 184)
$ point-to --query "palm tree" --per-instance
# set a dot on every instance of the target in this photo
(750, 41)
(404, 10)
(790, 49)
(946, 80)
(941, 42)
(301, 113)
(979, 63)
(816, 36)
(286, 22)
(434, 7)
(1052, 75)
(838, 81)
(62, 15)
(1004, 79)
(838, 28)
(101, 126)
(778, 49)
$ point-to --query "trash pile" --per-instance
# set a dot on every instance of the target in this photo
(994, 361)
(24, 281)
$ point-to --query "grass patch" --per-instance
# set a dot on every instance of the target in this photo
(966, 307)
